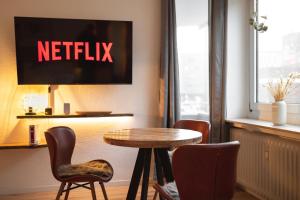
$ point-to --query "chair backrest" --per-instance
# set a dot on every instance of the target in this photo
(61, 143)
(195, 125)
(206, 171)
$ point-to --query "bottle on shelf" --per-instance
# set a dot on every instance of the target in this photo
(33, 136)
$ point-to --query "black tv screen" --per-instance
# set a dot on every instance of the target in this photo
(73, 51)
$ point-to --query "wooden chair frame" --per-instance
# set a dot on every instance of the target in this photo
(61, 143)
(83, 185)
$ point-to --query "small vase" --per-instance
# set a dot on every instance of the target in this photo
(279, 113)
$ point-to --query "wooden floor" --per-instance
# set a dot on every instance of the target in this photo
(114, 193)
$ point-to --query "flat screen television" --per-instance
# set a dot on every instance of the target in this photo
(73, 51)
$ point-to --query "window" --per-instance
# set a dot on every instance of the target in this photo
(277, 51)
(193, 57)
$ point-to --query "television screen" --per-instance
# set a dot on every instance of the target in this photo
(73, 51)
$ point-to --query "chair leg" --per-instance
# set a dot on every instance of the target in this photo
(60, 191)
(93, 190)
(103, 190)
(68, 191)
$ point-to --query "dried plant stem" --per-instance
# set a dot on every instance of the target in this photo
(280, 89)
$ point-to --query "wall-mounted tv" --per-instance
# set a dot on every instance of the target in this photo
(73, 51)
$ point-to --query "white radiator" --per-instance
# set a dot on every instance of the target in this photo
(268, 166)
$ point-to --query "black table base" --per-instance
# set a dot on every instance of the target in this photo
(142, 166)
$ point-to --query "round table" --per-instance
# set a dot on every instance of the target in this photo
(146, 139)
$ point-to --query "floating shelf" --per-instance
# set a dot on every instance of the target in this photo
(74, 116)
(27, 146)
(21, 146)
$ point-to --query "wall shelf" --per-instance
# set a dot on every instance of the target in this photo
(28, 146)
(21, 146)
(74, 116)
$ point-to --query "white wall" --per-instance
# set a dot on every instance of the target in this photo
(28, 169)
(238, 58)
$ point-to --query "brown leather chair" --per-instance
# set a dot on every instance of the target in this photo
(195, 125)
(61, 143)
(202, 172)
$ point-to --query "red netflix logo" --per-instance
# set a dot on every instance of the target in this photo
(51, 51)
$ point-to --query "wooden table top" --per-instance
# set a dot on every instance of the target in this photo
(152, 137)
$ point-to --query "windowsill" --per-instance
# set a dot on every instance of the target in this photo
(287, 131)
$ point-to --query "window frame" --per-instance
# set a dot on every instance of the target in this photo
(257, 109)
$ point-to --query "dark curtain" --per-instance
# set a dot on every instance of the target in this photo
(169, 80)
(217, 55)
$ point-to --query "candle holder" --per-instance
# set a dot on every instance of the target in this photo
(48, 111)
(30, 111)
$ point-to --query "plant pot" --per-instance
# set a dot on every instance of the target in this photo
(279, 113)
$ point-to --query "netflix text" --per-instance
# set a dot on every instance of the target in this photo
(66, 50)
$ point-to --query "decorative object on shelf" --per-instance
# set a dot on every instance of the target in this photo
(279, 90)
(48, 111)
(33, 136)
(29, 111)
(67, 108)
(258, 25)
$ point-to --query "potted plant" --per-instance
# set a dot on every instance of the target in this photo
(279, 90)
(258, 25)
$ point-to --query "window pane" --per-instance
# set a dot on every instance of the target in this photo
(192, 42)
(279, 46)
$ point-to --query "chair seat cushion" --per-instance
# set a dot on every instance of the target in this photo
(100, 168)
(171, 190)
